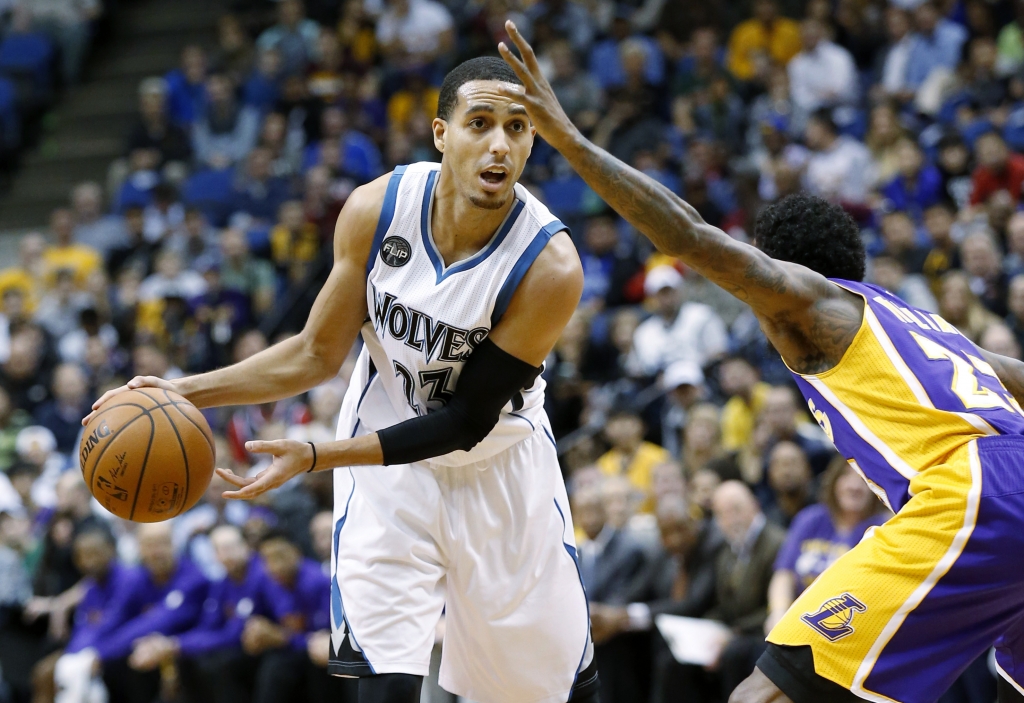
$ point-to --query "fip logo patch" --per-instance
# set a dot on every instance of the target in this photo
(395, 251)
(833, 618)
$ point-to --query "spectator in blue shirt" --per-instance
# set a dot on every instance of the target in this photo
(256, 191)
(294, 36)
(565, 18)
(263, 86)
(359, 156)
(606, 58)
(186, 87)
(225, 131)
(917, 186)
(938, 43)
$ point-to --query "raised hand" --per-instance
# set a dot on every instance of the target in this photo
(535, 94)
(137, 382)
(291, 458)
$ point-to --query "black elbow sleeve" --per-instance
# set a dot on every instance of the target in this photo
(489, 380)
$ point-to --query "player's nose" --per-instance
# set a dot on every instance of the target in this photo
(499, 143)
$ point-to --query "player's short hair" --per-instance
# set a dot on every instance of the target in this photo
(482, 68)
(812, 232)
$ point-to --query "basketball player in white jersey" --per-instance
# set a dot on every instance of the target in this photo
(448, 495)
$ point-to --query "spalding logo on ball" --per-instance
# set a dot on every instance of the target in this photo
(147, 455)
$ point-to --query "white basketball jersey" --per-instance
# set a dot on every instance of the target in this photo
(426, 318)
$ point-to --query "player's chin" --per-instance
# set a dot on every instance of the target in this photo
(490, 200)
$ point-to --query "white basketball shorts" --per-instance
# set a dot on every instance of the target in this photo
(488, 544)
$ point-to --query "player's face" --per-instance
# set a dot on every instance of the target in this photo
(485, 143)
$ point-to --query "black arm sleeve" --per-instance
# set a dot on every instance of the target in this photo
(490, 378)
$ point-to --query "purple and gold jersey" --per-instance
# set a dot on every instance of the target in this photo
(909, 392)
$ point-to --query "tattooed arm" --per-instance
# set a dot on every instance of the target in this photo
(809, 320)
(1010, 372)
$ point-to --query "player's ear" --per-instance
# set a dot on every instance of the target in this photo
(440, 128)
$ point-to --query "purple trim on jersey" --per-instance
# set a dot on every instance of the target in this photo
(852, 446)
(975, 603)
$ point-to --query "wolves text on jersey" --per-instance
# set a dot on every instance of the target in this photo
(419, 331)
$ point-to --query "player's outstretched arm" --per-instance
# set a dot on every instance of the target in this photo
(315, 354)
(777, 291)
(501, 365)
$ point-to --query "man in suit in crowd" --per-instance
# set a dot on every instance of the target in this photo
(610, 560)
(743, 570)
(678, 580)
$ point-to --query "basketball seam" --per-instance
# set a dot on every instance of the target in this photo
(176, 403)
(142, 470)
(184, 454)
(145, 413)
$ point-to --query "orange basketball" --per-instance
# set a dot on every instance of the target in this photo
(147, 455)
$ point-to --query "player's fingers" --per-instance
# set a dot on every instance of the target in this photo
(513, 61)
(529, 58)
(108, 395)
(234, 479)
(274, 447)
(256, 486)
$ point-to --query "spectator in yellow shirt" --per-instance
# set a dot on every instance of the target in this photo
(742, 384)
(27, 276)
(759, 41)
(630, 455)
(65, 254)
(416, 98)
(294, 242)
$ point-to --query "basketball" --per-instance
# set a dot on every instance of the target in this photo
(148, 455)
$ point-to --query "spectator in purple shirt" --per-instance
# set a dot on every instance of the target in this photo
(95, 556)
(210, 654)
(291, 667)
(164, 595)
(821, 533)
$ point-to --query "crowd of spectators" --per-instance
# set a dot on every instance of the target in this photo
(700, 484)
(43, 47)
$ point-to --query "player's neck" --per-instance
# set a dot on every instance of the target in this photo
(458, 227)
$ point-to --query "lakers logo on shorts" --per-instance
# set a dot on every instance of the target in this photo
(833, 618)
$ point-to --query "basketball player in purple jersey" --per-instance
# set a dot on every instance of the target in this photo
(930, 421)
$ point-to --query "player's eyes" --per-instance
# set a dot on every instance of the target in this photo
(518, 127)
(477, 123)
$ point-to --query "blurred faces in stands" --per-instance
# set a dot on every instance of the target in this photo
(156, 552)
(734, 508)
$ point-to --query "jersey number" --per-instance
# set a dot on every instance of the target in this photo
(965, 380)
(435, 383)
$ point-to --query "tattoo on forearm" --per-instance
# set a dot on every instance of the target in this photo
(815, 341)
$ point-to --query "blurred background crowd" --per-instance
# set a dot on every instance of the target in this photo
(701, 485)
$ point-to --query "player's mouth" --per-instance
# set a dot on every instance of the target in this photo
(493, 179)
